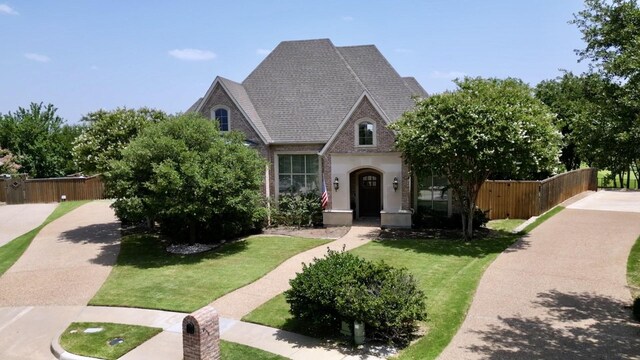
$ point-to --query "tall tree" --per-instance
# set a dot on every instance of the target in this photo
(611, 30)
(565, 97)
(34, 136)
(107, 133)
(486, 127)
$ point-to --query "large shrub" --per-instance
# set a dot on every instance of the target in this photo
(302, 209)
(344, 287)
(197, 183)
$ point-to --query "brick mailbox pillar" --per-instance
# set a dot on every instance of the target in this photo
(201, 335)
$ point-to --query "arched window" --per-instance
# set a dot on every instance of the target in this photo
(365, 133)
(222, 115)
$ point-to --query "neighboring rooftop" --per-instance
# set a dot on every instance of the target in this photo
(303, 90)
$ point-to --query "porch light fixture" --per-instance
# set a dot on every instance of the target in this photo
(336, 184)
(395, 184)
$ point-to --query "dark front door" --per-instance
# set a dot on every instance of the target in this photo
(369, 194)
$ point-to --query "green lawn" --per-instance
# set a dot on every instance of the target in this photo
(504, 224)
(11, 251)
(633, 269)
(146, 276)
(75, 341)
(447, 270)
(96, 344)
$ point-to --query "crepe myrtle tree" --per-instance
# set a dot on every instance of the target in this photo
(485, 127)
(198, 184)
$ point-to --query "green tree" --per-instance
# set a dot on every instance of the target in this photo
(566, 97)
(486, 127)
(611, 30)
(107, 133)
(197, 183)
(34, 136)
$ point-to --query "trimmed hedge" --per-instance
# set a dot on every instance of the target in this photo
(342, 286)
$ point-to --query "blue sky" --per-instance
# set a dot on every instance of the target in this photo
(85, 55)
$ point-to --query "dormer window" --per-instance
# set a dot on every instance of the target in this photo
(365, 133)
(222, 116)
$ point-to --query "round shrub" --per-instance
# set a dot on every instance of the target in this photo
(344, 287)
(198, 184)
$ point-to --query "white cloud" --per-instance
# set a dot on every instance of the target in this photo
(263, 52)
(447, 75)
(37, 57)
(403, 51)
(347, 18)
(192, 54)
(6, 9)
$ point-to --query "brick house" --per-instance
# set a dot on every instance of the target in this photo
(317, 111)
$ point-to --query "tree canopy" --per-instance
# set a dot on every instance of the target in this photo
(486, 128)
(611, 30)
(107, 133)
(39, 139)
(197, 183)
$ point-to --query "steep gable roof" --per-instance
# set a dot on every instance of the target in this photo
(302, 91)
(414, 85)
(380, 80)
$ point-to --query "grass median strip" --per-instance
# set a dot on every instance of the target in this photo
(11, 251)
(633, 269)
(96, 342)
(146, 276)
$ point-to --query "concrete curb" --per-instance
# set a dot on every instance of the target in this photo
(62, 354)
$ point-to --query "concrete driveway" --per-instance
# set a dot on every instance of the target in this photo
(50, 284)
(19, 219)
(560, 292)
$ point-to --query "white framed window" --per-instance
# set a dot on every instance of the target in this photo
(298, 173)
(365, 133)
(222, 115)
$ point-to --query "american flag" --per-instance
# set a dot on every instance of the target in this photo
(324, 198)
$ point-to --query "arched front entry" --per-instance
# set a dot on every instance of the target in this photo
(366, 193)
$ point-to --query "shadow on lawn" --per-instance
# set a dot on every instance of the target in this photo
(107, 235)
(576, 326)
(145, 251)
(491, 243)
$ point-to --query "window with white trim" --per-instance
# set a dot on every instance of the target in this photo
(297, 173)
(222, 116)
(365, 133)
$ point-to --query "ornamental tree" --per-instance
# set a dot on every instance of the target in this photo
(485, 127)
(107, 133)
(197, 183)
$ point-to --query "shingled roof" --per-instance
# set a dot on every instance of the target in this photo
(304, 89)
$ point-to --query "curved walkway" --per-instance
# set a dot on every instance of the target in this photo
(241, 302)
(50, 284)
(561, 291)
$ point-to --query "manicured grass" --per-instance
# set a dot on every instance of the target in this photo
(96, 344)
(633, 269)
(75, 341)
(146, 276)
(542, 218)
(505, 224)
(447, 270)
(11, 251)
(233, 351)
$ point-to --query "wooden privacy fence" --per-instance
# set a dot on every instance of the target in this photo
(19, 190)
(524, 199)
